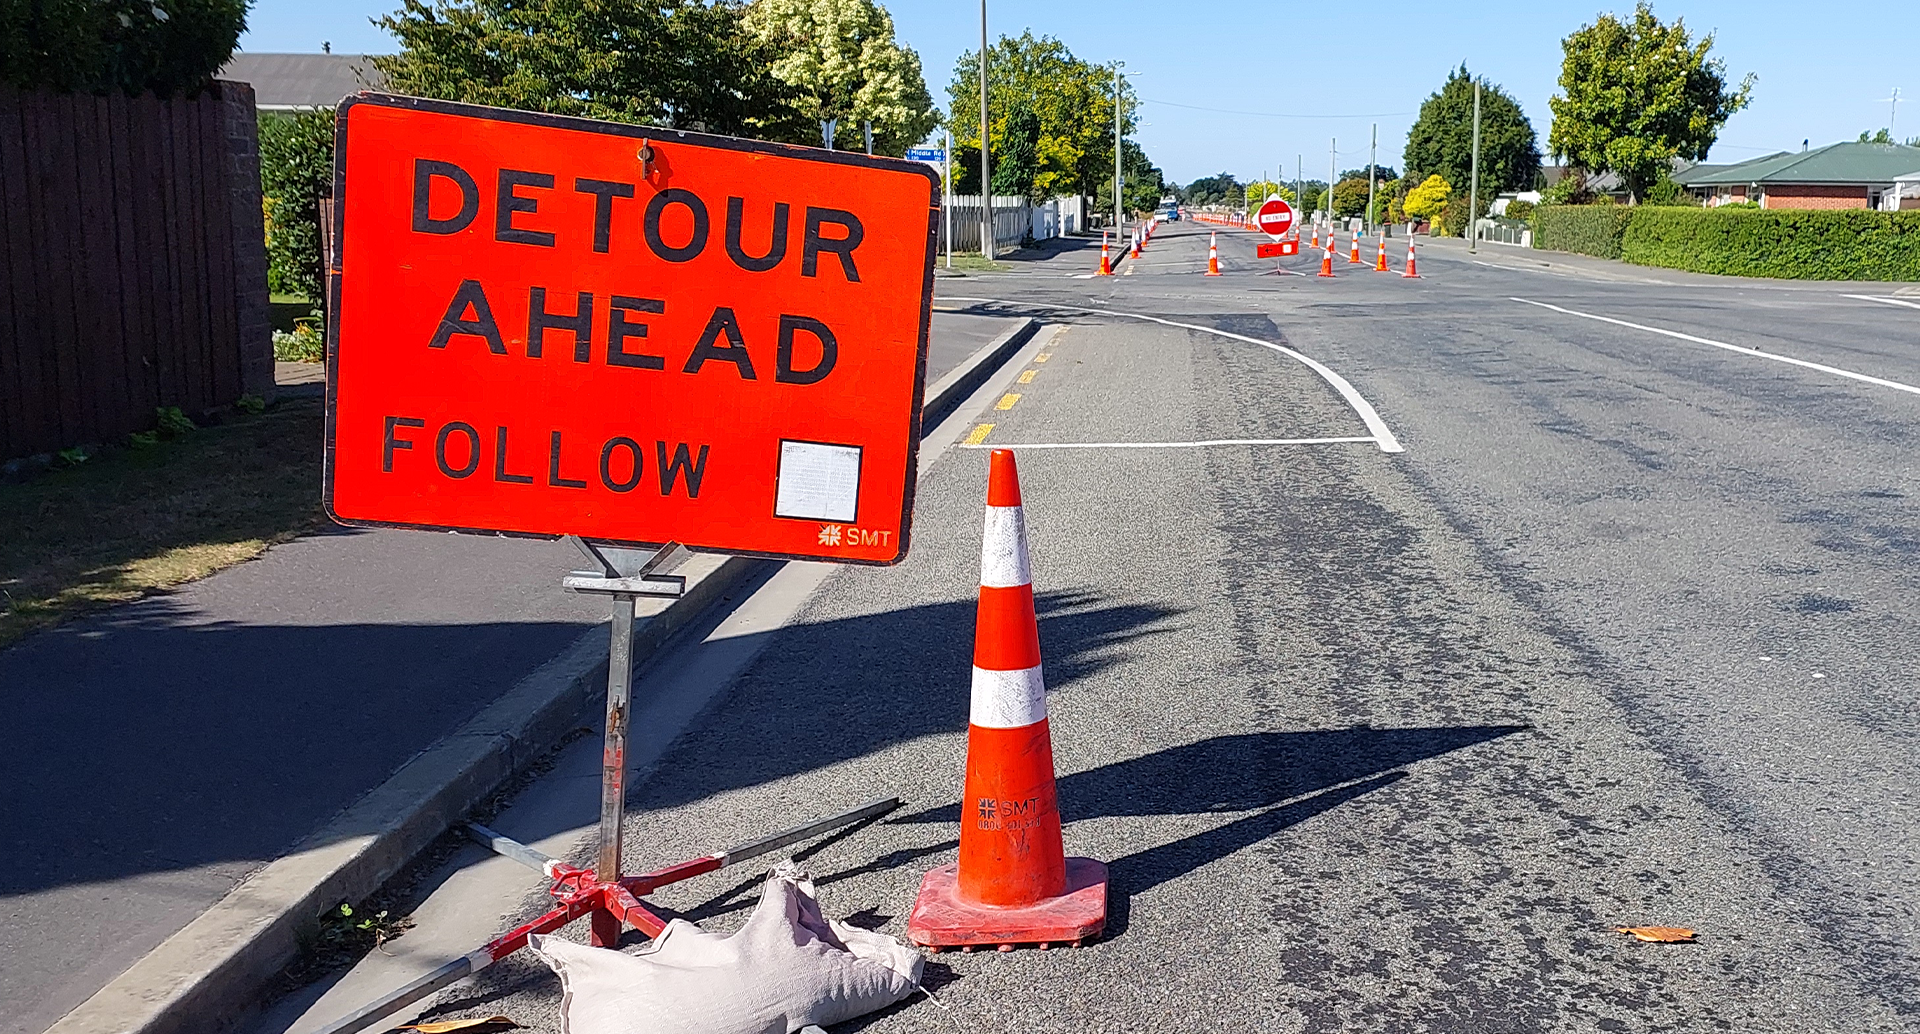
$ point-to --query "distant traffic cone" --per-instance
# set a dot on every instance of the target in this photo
(1410, 270)
(1316, 235)
(1354, 259)
(1380, 264)
(1213, 256)
(1012, 884)
(1136, 244)
(1326, 257)
(1106, 262)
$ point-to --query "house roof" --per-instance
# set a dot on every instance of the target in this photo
(1692, 174)
(1834, 163)
(285, 82)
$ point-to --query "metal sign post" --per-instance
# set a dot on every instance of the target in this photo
(764, 400)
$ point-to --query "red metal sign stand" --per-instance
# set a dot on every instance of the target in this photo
(611, 902)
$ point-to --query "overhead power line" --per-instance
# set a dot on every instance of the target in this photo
(1273, 114)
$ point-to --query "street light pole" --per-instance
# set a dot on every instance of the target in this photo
(1373, 162)
(1333, 153)
(1119, 213)
(986, 175)
(1473, 190)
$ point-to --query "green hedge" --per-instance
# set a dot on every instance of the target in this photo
(1851, 244)
(1584, 229)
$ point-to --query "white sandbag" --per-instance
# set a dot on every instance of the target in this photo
(786, 968)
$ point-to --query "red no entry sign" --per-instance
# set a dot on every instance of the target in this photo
(1275, 217)
(548, 326)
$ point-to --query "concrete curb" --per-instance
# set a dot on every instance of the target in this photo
(208, 976)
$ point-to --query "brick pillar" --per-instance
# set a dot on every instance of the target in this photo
(241, 129)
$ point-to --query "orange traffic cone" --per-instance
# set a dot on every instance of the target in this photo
(1354, 259)
(1380, 264)
(1213, 256)
(1136, 244)
(1106, 261)
(1326, 257)
(1012, 883)
(1410, 271)
(1316, 235)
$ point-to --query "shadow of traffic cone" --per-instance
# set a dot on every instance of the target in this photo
(1106, 262)
(1380, 264)
(1326, 257)
(1213, 256)
(1012, 883)
(1410, 270)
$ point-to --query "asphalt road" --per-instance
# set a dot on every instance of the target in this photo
(160, 752)
(1390, 741)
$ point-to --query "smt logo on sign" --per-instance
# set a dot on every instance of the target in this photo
(549, 326)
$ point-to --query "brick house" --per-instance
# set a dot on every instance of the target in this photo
(1844, 175)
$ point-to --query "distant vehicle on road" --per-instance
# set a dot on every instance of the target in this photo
(1169, 212)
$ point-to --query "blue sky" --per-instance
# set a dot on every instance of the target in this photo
(1823, 69)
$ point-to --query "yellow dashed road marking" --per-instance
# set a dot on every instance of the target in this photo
(979, 434)
(1043, 357)
(1027, 378)
(1007, 401)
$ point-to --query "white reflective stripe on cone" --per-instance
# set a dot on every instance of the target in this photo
(1008, 699)
(1003, 549)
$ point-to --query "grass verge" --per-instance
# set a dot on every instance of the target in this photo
(971, 262)
(131, 521)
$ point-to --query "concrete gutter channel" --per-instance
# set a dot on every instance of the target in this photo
(211, 975)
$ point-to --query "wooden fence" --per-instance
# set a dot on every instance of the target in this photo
(132, 262)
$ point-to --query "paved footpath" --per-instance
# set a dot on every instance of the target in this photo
(160, 752)
(1373, 741)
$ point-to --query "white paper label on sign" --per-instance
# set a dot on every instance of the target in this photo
(818, 482)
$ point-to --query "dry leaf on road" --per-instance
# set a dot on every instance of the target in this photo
(490, 1023)
(1659, 934)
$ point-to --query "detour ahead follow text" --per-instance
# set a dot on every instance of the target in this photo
(540, 347)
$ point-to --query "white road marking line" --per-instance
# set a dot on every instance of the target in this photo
(1169, 445)
(1883, 301)
(1361, 407)
(1743, 350)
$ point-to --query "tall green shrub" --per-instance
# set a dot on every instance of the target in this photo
(1854, 244)
(1584, 229)
(132, 46)
(296, 172)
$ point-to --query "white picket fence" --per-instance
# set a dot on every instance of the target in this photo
(1015, 219)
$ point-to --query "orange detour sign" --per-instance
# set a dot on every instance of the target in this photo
(547, 326)
(1012, 883)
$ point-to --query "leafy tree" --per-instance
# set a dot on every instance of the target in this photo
(1426, 200)
(1260, 190)
(1441, 140)
(681, 63)
(1384, 197)
(1072, 98)
(1213, 190)
(838, 60)
(1639, 94)
(1381, 173)
(130, 46)
(1350, 196)
(1145, 185)
(1019, 163)
(296, 172)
